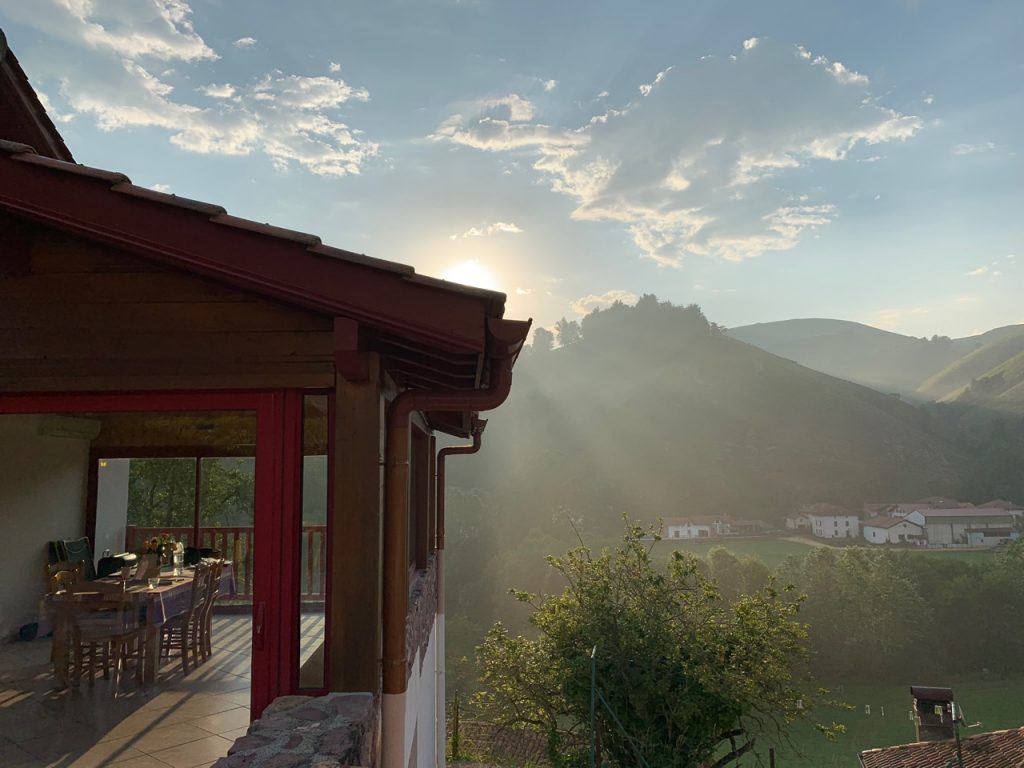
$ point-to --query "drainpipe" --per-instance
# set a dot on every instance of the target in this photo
(396, 573)
(441, 737)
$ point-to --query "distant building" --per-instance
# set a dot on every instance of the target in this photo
(931, 502)
(695, 527)
(965, 526)
(891, 530)
(830, 521)
(935, 719)
(798, 522)
(1006, 506)
(740, 527)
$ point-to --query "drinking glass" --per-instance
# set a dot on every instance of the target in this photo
(154, 582)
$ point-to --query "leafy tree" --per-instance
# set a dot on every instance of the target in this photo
(684, 670)
(543, 340)
(568, 332)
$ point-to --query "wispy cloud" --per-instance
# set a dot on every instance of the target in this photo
(291, 119)
(894, 319)
(690, 174)
(973, 149)
(214, 91)
(550, 85)
(486, 230)
(244, 42)
(587, 304)
(978, 272)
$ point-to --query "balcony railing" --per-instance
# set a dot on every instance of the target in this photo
(236, 544)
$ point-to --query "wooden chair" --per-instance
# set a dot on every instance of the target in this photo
(61, 578)
(105, 624)
(183, 632)
(206, 625)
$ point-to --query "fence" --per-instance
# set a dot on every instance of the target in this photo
(236, 544)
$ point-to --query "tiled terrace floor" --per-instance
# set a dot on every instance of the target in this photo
(181, 722)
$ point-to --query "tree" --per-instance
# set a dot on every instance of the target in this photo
(684, 670)
(568, 332)
(543, 340)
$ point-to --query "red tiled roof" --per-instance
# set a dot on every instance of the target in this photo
(1002, 504)
(964, 512)
(997, 749)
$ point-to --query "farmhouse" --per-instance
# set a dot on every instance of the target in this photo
(891, 530)
(965, 526)
(695, 527)
(830, 521)
(142, 326)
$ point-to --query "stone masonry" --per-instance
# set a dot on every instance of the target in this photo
(333, 731)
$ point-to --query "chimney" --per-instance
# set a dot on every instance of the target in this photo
(934, 713)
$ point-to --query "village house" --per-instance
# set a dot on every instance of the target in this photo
(830, 521)
(891, 530)
(699, 527)
(965, 526)
(142, 325)
(798, 522)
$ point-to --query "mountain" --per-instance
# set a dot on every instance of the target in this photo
(921, 369)
(654, 412)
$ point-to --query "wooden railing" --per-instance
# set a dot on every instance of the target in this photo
(236, 544)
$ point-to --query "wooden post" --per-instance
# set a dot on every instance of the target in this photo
(355, 578)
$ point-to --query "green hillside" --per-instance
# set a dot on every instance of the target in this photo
(886, 361)
(654, 412)
(999, 389)
(999, 346)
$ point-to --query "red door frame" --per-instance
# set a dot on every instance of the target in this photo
(277, 506)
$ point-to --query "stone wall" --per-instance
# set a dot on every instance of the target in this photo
(332, 731)
(422, 610)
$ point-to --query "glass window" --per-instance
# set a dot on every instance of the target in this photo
(313, 542)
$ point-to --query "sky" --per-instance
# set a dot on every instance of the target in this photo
(764, 160)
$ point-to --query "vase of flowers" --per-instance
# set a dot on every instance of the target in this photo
(162, 546)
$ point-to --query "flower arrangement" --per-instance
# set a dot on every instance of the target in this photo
(163, 546)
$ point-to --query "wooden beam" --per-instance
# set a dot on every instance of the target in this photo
(421, 498)
(355, 530)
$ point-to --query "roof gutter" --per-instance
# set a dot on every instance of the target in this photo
(444, 453)
(396, 503)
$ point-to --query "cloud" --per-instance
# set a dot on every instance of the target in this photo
(587, 304)
(291, 119)
(214, 91)
(160, 29)
(160, 187)
(244, 42)
(550, 85)
(750, 43)
(978, 272)
(486, 230)
(512, 107)
(893, 319)
(524, 291)
(689, 173)
(54, 114)
(334, 66)
(973, 149)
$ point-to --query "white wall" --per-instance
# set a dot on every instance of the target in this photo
(42, 497)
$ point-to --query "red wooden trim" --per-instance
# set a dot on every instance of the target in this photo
(267, 549)
(247, 255)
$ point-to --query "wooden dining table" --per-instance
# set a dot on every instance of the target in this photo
(162, 603)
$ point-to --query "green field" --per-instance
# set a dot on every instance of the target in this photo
(773, 551)
(995, 701)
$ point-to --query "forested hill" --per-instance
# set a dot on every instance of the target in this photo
(653, 411)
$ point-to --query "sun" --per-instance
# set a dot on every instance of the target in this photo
(472, 272)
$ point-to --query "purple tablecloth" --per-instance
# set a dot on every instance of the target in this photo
(166, 602)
